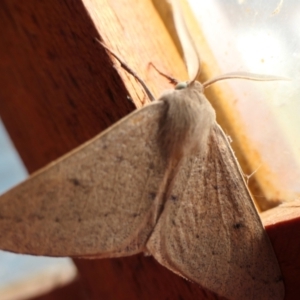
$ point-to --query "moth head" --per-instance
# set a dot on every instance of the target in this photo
(185, 84)
(181, 85)
(196, 85)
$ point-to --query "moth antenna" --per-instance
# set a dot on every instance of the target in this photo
(170, 78)
(186, 39)
(243, 75)
(198, 72)
(129, 70)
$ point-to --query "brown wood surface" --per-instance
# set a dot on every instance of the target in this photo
(58, 88)
(283, 227)
(71, 291)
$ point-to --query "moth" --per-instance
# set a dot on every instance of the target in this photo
(163, 181)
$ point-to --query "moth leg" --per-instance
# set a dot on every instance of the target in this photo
(171, 79)
(130, 71)
(146, 252)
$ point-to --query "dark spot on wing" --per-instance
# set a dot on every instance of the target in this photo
(151, 166)
(173, 198)
(79, 220)
(57, 220)
(75, 181)
(152, 195)
(238, 225)
(197, 236)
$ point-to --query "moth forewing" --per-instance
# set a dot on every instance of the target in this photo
(101, 200)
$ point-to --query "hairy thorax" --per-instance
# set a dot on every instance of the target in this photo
(186, 123)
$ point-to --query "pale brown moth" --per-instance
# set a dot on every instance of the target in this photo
(162, 180)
